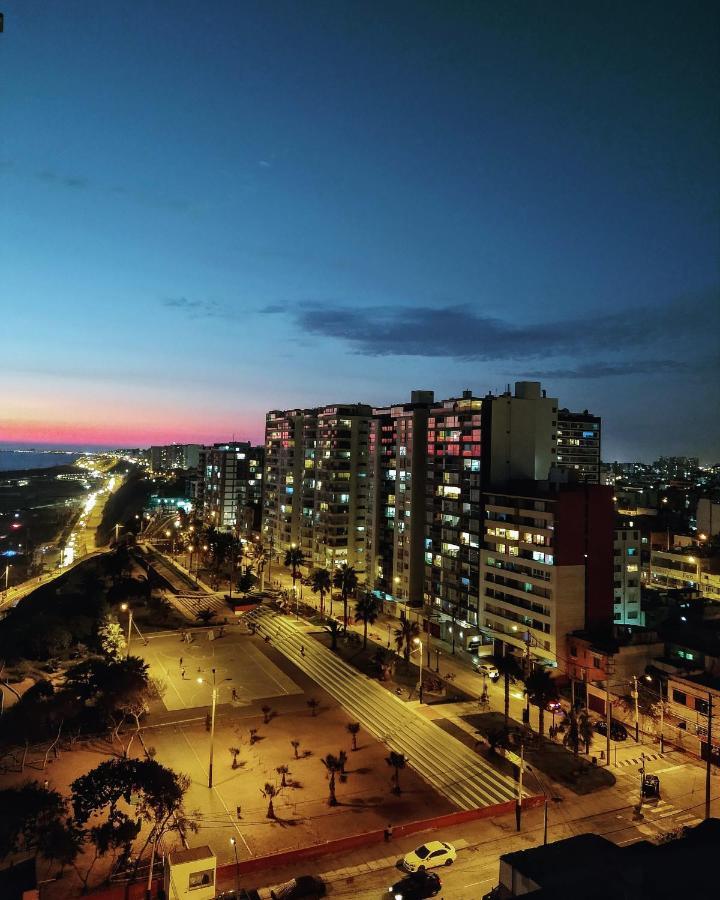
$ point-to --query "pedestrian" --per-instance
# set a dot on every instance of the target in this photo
(182, 672)
(181, 659)
(182, 635)
(238, 810)
(388, 833)
(234, 694)
(302, 651)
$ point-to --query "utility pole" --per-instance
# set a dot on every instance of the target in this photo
(637, 711)
(518, 804)
(642, 781)
(708, 761)
(608, 720)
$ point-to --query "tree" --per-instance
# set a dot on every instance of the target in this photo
(270, 792)
(27, 813)
(541, 689)
(585, 729)
(333, 626)
(405, 635)
(294, 558)
(221, 548)
(111, 637)
(397, 761)
(282, 771)
(333, 765)
(509, 668)
(266, 710)
(321, 583)
(295, 744)
(454, 608)
(205, 616)
(346, 581)
(158, 793)
(234, 752)
(313, 704)
(246, 581)
(571, 738)
(367, 610)
(353, 728)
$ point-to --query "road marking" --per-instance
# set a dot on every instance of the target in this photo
(670, 769)
(232, 822)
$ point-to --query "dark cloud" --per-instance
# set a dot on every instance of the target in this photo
(272, 309)
(74, 182)
(463, 333)
(612, 370)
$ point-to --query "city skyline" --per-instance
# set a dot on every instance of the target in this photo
(216, 212)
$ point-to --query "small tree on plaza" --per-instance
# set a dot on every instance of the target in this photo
(333, 626)
(353, 728)
(333, 764)
(585, 729)
(234, 752)
(270, 792)
(111, 638)
(294, 558)
(571, 738)
(282, 771)
(295, 744)
(541, 689)
(396, 761)
(313, 704)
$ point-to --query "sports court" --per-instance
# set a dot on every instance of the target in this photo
(239, 665)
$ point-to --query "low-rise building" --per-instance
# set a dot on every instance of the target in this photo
(692, 699)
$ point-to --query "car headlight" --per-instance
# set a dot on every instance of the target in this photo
(398, 897)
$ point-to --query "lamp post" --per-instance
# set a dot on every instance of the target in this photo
(237, 866)
(419, 646)
(126, 608)
(191, 548)
(212, 726)
(7, 576)
(637, 710)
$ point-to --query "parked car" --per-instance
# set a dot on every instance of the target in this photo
(428, 856)
(554, 706)
(486, 668)
(651, 786)
(416, 887)
(618, 732)
(305, 887)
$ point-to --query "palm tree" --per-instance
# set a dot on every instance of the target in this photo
(509, 668)
(353, 728)
(321, 583)
(333, 626)
(585, 729)
(259, 555)
(571, 738)
(235, 752)
(345, 580)
(282, 771)
(333, 764)
(540, 689)
(405, 635)
(269, 792)
(397, 761)
(313, 704)
(367, 610)
(294, 558)
(295, 744)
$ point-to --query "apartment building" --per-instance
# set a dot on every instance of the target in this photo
(232, 477)
(578, 445)
(341, 486)
(474, 443)
(284, 473)
(397, 451)
(691, 698)
(170, 457)
(546, 567)
(627, 551)
(316, 483)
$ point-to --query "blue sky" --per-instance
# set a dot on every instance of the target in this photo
(214, 209)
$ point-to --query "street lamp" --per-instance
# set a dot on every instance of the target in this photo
(7, 575)
(419, 646)
(237, 866)
(212, 726)
(126, 608)
(118, 526)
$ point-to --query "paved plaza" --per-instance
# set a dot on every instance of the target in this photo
(240, 666)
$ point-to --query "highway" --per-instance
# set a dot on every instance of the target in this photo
(451, 768)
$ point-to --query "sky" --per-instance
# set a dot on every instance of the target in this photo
(210, 210)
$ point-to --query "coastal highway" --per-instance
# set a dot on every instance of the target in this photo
(80, 543)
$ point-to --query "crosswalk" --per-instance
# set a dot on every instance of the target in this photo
(638, 760)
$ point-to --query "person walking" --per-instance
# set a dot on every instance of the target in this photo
(302, 650)
(388, 833)
(182, 672)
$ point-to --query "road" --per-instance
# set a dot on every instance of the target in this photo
(450, 767)
(80, 544)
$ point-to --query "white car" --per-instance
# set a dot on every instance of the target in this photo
(488, 669)
(434, 853)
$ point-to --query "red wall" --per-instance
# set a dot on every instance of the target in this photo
(584, 524)
(329, 848)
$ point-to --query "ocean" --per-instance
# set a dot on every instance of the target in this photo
(14, 460)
